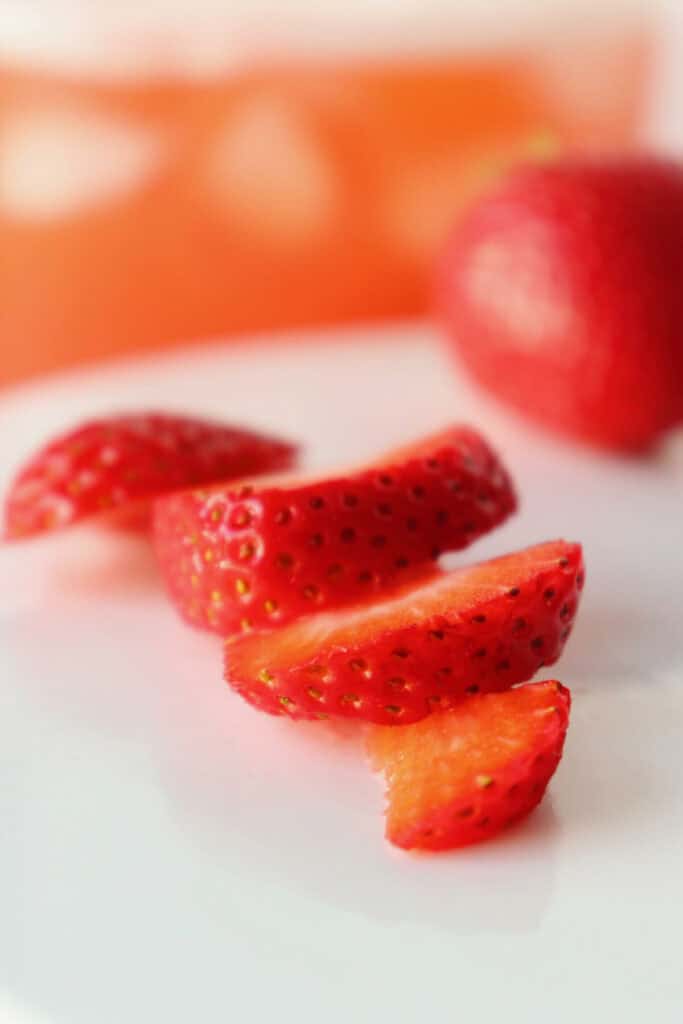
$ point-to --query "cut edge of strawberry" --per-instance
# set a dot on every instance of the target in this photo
(337, 662)
(403, 599)
(491, 795)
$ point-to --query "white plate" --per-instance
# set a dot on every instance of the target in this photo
(168, 855)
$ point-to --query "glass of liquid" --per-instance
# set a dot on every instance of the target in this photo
(180, 173)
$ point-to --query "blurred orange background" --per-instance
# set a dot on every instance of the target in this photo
(164, 199)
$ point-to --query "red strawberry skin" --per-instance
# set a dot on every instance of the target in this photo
(116, 465)
(259, 555)
(480, 629)
(562, 293)
(463, 776)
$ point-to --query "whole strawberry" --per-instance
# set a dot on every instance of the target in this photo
(562, 291)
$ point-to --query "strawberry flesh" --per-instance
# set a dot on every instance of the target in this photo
(261, 554)
(462, 776)
(426, 648)
(113, 467)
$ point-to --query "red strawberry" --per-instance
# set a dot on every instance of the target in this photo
(261, 554)
(477, 629)
(116, 465)
(562, 292)
(463, 776)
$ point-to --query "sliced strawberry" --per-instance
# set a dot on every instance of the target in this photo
(464, 775)
(477, 629)
(116, 465)
(261, 554)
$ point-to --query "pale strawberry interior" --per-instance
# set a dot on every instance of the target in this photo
(449, 756)
(453, 594)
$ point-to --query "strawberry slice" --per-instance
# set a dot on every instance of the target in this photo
(117, 465)
(474, 630)
(465, 775)
(261, 554)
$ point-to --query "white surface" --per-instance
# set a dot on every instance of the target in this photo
(169, 855)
